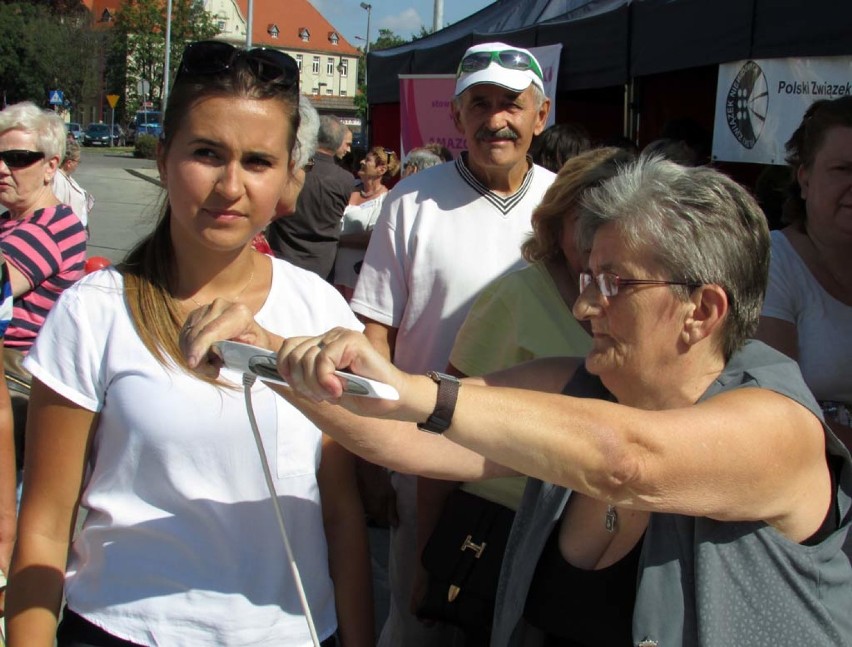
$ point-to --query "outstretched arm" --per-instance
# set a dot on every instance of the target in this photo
(58, 434)
(388, 443)
(677, 460)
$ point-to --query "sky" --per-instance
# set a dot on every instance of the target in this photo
(403, 17)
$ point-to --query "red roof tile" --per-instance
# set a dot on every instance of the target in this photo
(290, 17)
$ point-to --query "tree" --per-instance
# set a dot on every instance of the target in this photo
(387, 39)
(424, 31)
(141, 28)
(50, 51)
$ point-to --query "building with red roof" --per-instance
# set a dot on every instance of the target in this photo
(328, 63)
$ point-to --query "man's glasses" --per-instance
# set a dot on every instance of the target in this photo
(511, 59)
(609, 283)
(213, 57)
(20, 159)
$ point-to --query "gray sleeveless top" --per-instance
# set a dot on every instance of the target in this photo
(705, 582)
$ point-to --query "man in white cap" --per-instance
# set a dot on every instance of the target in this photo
(442, 236)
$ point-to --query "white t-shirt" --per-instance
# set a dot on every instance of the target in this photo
(441, 238)
(823, 324)
(357, 219)
(68, 191)
(181, 545)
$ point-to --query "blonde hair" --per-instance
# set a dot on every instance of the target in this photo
(387, 158)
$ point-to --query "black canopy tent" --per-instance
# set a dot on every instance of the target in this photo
(653, 52)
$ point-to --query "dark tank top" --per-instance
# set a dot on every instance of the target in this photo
(575, 607)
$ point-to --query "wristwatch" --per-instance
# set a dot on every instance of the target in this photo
(448, 393)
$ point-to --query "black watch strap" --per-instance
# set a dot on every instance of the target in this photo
(448, 393)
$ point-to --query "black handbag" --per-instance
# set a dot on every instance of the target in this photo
(463, 558)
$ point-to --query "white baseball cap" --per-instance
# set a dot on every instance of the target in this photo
(513, 68)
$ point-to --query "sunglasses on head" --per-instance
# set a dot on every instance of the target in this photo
(208, 57)
(20, 159)
(511, 59)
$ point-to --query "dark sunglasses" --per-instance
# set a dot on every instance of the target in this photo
(511, 59)
(213, 57)
(20, 159)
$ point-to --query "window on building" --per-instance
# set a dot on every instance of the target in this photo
(221, 24)
(328, 91)
(272, 30)
(299, 61)
(329, 66)
(304, 34)
(344, 67)
(342, 92)
(333, 38)
(315, 65)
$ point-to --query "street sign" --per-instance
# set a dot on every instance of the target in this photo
(112, 99)
(142, 87)
(56, 97)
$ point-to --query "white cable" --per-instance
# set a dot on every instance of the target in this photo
(248, 381)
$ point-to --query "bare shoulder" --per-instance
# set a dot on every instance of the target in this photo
(769, 417)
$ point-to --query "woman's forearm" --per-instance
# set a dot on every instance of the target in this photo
(396, 445)
(34, 595)
(8, 479)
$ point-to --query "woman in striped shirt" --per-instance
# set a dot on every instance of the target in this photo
(43, 241)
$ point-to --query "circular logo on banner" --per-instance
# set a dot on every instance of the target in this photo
(747, 104)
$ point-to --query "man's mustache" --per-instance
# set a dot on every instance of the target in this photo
(486, 134)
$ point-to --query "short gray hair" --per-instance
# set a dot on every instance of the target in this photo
(538, 96)
(72, 150)
(331, 132)
(700, 226)
(306, 135)
(46, 125)
(422, 158)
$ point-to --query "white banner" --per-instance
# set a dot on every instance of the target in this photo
(548, 57)
(760, 103)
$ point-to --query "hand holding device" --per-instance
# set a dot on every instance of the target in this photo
(263, 364)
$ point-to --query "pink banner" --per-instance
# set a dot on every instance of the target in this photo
(426, 116)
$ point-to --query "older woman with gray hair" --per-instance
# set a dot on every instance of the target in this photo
(685, 490)
(67, 190)
(43, 241)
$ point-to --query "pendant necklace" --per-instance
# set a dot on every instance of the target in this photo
(611, 519)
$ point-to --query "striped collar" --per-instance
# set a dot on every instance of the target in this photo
(504, 204)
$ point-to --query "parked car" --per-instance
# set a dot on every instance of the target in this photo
(96, 135)
(74, 129)
(146, 122)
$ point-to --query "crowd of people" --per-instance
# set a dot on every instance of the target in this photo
(609, 343)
